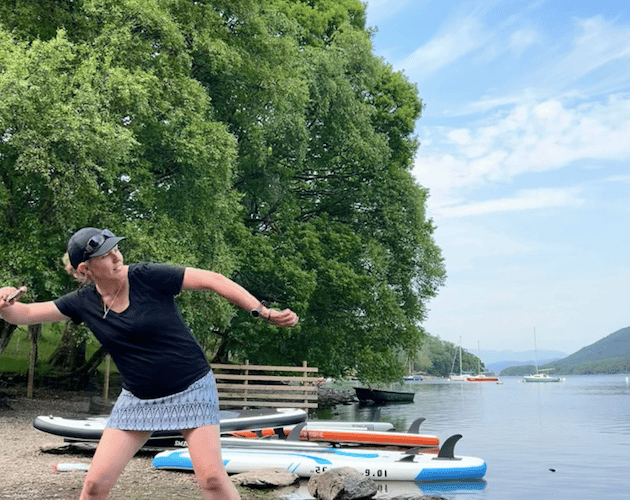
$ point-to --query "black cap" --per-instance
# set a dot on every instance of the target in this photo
(90, 242)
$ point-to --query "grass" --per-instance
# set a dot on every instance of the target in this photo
(15, 357)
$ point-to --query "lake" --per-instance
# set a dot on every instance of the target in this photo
(566, 440)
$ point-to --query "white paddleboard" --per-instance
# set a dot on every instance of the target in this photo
(378, 465)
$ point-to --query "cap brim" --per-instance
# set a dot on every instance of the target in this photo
(107, 245)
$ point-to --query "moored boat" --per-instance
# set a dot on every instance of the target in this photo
(482, 377)
(541, 376)
(366, 394)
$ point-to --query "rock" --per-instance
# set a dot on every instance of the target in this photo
(329, 398)
(271, 477)
(342, 483)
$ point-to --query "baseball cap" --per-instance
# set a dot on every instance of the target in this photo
(90, 242)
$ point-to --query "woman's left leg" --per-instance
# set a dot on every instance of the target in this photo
(204, 445)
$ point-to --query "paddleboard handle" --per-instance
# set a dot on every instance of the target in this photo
(70, 467)
(447, 450)
(414, 428)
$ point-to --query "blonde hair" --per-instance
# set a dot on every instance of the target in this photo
(79, 277)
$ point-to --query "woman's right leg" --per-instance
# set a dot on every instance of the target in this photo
(113, 452)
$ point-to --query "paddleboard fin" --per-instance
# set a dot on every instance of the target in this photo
(414, 428)
(411, 453)
(447, 450)
(279, 431)
(294, 435)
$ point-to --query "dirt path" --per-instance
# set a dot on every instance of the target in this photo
(27, 473)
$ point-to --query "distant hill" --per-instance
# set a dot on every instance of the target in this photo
(499, 366)
(517, 358)
(608, 355)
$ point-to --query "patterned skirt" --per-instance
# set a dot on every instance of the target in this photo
(196, 406)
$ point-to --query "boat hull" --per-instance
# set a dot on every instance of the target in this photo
(482, 378)
(381, 396)
(541, 379)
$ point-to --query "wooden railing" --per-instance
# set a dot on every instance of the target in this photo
(255, 386)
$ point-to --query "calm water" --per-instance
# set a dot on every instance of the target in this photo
(567, 440)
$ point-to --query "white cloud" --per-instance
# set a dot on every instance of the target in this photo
(529, 199)
(521, 40)
(380, 10)
(625, 179)
(532, 137)
(452, 43)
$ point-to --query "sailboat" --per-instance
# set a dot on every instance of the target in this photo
(540, 375)
(481, 376)
(462, 377)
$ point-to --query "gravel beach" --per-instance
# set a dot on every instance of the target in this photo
(28, 472)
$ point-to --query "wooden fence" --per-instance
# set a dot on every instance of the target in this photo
(255, 386)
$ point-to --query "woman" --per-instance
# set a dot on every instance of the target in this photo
(167, 382)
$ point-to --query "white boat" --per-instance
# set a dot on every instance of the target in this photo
(540, 375)
(481, 376)
(461, 377)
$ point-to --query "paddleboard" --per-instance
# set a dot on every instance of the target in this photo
(91, 429)
(376, 464)
(319, 432)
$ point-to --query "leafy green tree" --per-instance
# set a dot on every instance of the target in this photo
(260, 139)
(325, 151)
(93, 138)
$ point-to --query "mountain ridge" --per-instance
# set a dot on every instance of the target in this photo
(611, 354)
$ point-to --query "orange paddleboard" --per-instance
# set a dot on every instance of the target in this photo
(364, 437)
(370, 438)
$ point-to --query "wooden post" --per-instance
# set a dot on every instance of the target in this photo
(34, 331)
(108, 363)
(305, 373)
(246, 380)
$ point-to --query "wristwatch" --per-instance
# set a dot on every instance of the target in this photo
(257, 312)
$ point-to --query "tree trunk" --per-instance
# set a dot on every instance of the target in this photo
(6, 332)
(69, 355)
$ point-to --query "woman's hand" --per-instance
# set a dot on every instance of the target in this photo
(9, 294)
(286, 317)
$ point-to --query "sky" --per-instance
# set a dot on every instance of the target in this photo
(525, 151)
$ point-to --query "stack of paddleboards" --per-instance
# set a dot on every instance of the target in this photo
(283, 438)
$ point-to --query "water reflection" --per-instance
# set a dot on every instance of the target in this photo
(396, 490)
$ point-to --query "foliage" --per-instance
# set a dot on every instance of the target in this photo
(262, 139)
(440, 358)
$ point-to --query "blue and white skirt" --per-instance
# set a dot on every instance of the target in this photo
(196, 406)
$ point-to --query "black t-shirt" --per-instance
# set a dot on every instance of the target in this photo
(151, 345)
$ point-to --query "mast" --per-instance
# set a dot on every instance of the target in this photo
(535, 351)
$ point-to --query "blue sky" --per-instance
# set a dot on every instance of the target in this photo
(525, 150)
